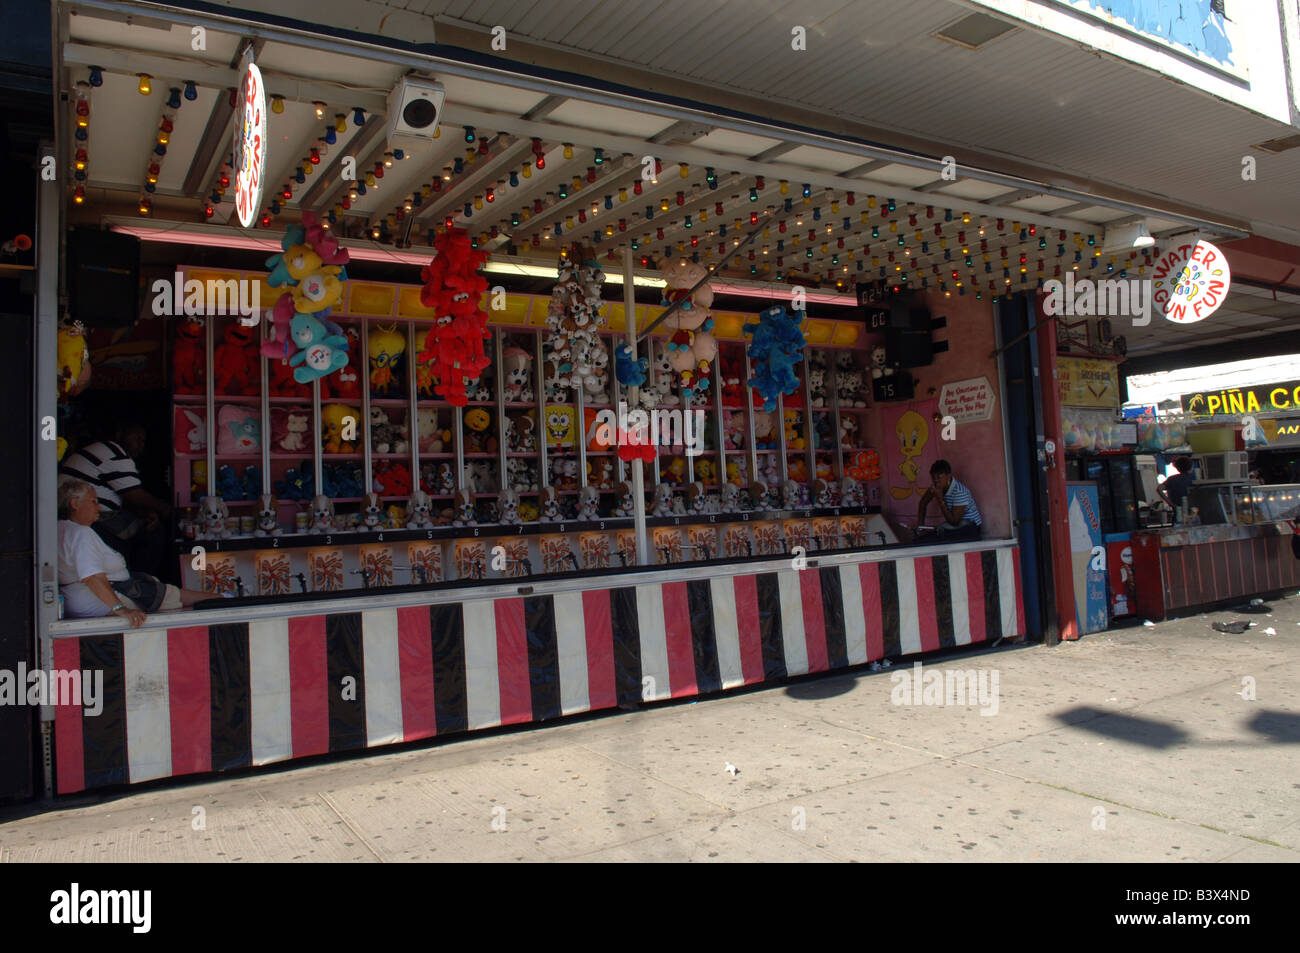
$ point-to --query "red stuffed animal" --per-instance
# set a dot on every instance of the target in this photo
(392, 479)
(188, 367)
(280, 381)
(453, 348)
(345, 383)
(234, 370)
(733, 390)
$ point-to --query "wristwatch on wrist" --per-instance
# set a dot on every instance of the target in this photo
(120, 605)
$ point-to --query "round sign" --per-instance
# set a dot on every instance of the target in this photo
(1191, 282)
(250, 147)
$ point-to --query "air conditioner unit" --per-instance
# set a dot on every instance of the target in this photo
(1233, 467)
(414, 110)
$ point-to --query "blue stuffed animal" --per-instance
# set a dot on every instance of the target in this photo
(295, 486)
(323, 349)
(630, 373)
(228, 486)
(776, 345)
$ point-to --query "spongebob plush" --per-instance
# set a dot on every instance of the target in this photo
(560, 431)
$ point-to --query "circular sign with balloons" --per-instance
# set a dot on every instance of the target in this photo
(250, 147)
(1191, 282)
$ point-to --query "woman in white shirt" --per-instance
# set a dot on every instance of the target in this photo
(94, 578)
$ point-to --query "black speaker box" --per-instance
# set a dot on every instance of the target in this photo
(103, 278)
(907, 348)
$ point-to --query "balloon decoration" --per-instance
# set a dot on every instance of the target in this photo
(453, 353)
(311, 269)
(776, 345)
(691, 348)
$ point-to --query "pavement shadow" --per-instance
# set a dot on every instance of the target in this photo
(821, 688)
(1280, 727)
(1121, 727)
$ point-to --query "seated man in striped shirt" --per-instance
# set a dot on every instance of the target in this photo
(961, 517)
(127, 507)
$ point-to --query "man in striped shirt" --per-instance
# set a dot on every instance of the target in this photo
(961, 517)
(109, 467)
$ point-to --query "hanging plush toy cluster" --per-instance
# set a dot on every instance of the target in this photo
(576, 355)
(452, 354)
(691, 348)
(311, 267)
(776, 345)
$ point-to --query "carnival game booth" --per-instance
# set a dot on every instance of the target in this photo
(419, 492)
(534, 582)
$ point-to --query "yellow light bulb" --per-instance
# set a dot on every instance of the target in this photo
(478, 202)
(527, 170)
(370, 179)
(871, 203)
(568, 150)
(308, 168)
(835, 207)
(145, 88)
(277, 104)
(683, 169)
(340, 123)
(622, 195)
(893, 226)
(785, 187)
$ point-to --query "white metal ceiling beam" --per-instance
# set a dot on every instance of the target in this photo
(693, 155)
(174, 71)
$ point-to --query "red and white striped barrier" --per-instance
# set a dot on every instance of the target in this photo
(217, 697)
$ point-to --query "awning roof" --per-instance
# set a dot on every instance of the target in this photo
(897, 85)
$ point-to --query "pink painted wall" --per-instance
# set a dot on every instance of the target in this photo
(976, 455)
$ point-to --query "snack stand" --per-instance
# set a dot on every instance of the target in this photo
(1234, 540)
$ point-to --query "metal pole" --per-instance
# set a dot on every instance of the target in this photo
(49, 235)
(633, 399)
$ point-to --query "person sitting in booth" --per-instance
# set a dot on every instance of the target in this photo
(1174, 490)
(94, 578)
(132, 518)
(961, 517)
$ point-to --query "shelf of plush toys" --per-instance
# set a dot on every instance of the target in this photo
(496, 432)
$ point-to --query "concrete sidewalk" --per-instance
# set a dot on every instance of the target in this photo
(1130, 745)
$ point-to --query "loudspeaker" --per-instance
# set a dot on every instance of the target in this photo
(906, 348)
(103, 278)
(414, 109)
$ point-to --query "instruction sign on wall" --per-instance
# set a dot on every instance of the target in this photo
(968, 400)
